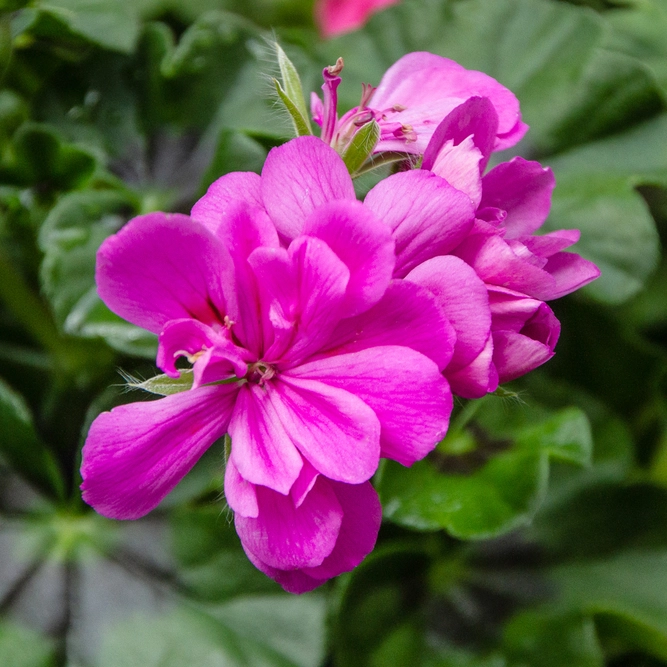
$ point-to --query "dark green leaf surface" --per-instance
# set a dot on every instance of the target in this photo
(213, 564)
(628, 592)
(639, 30)
(111, 24)
(550, 640)
(22, 448)
(70, 237)
(499, 496)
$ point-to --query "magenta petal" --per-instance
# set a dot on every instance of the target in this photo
(287, 537)
(180, 337)
(224, 195)
(293, 581)
(334, 429)
(476, 117)
(477, 378)
(262, 446)
(525, 332)
(407, 315)
(463, 298)
(189, 338)
(427, 216)
(137, 453)
(363, 243)
(549, 244)
(163, 267)
(405, 390)
(459, 165)
(304, 483)
(298, 177)
(496, 263)
(276, 278)
(508, 139)
(570, 271)
(316, 108)
(362, 515)
(515, 354)
(243, 230)
(522, 189)
(428, 87)
(322, 280)
(239, 493)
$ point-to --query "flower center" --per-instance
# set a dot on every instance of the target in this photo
(260, 372)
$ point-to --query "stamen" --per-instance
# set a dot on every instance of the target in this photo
(260, 373)
(190, 357)
(335, 70)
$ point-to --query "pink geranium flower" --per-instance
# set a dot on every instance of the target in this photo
(413, 97)
(493, 275)
(278, 290)
(335, 17)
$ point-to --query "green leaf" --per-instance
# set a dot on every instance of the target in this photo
(361, 146)
(200, 72)
(69, 238)
(22, 448)
(211, 561)
(637, 154)
(23, 647)
(566, 436)
(602, 519)
(380, 604)
(90, 318)
(601, 206)
(595, 193)
(13, 112)
(264, 631)
(42, 157)
(293, 92)
(626, 593)
(640, 31)
(278, 629)
(110, 24)
(552, 640)
(499, 496)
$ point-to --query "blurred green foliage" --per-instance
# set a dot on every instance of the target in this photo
(536, 533)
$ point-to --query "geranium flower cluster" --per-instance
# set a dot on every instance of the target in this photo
(325, 333)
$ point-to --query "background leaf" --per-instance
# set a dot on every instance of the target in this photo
(22, 448)
(497, 487)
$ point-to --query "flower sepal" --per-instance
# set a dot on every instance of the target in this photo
(290, 93)
(360, 148)
(163, 385)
